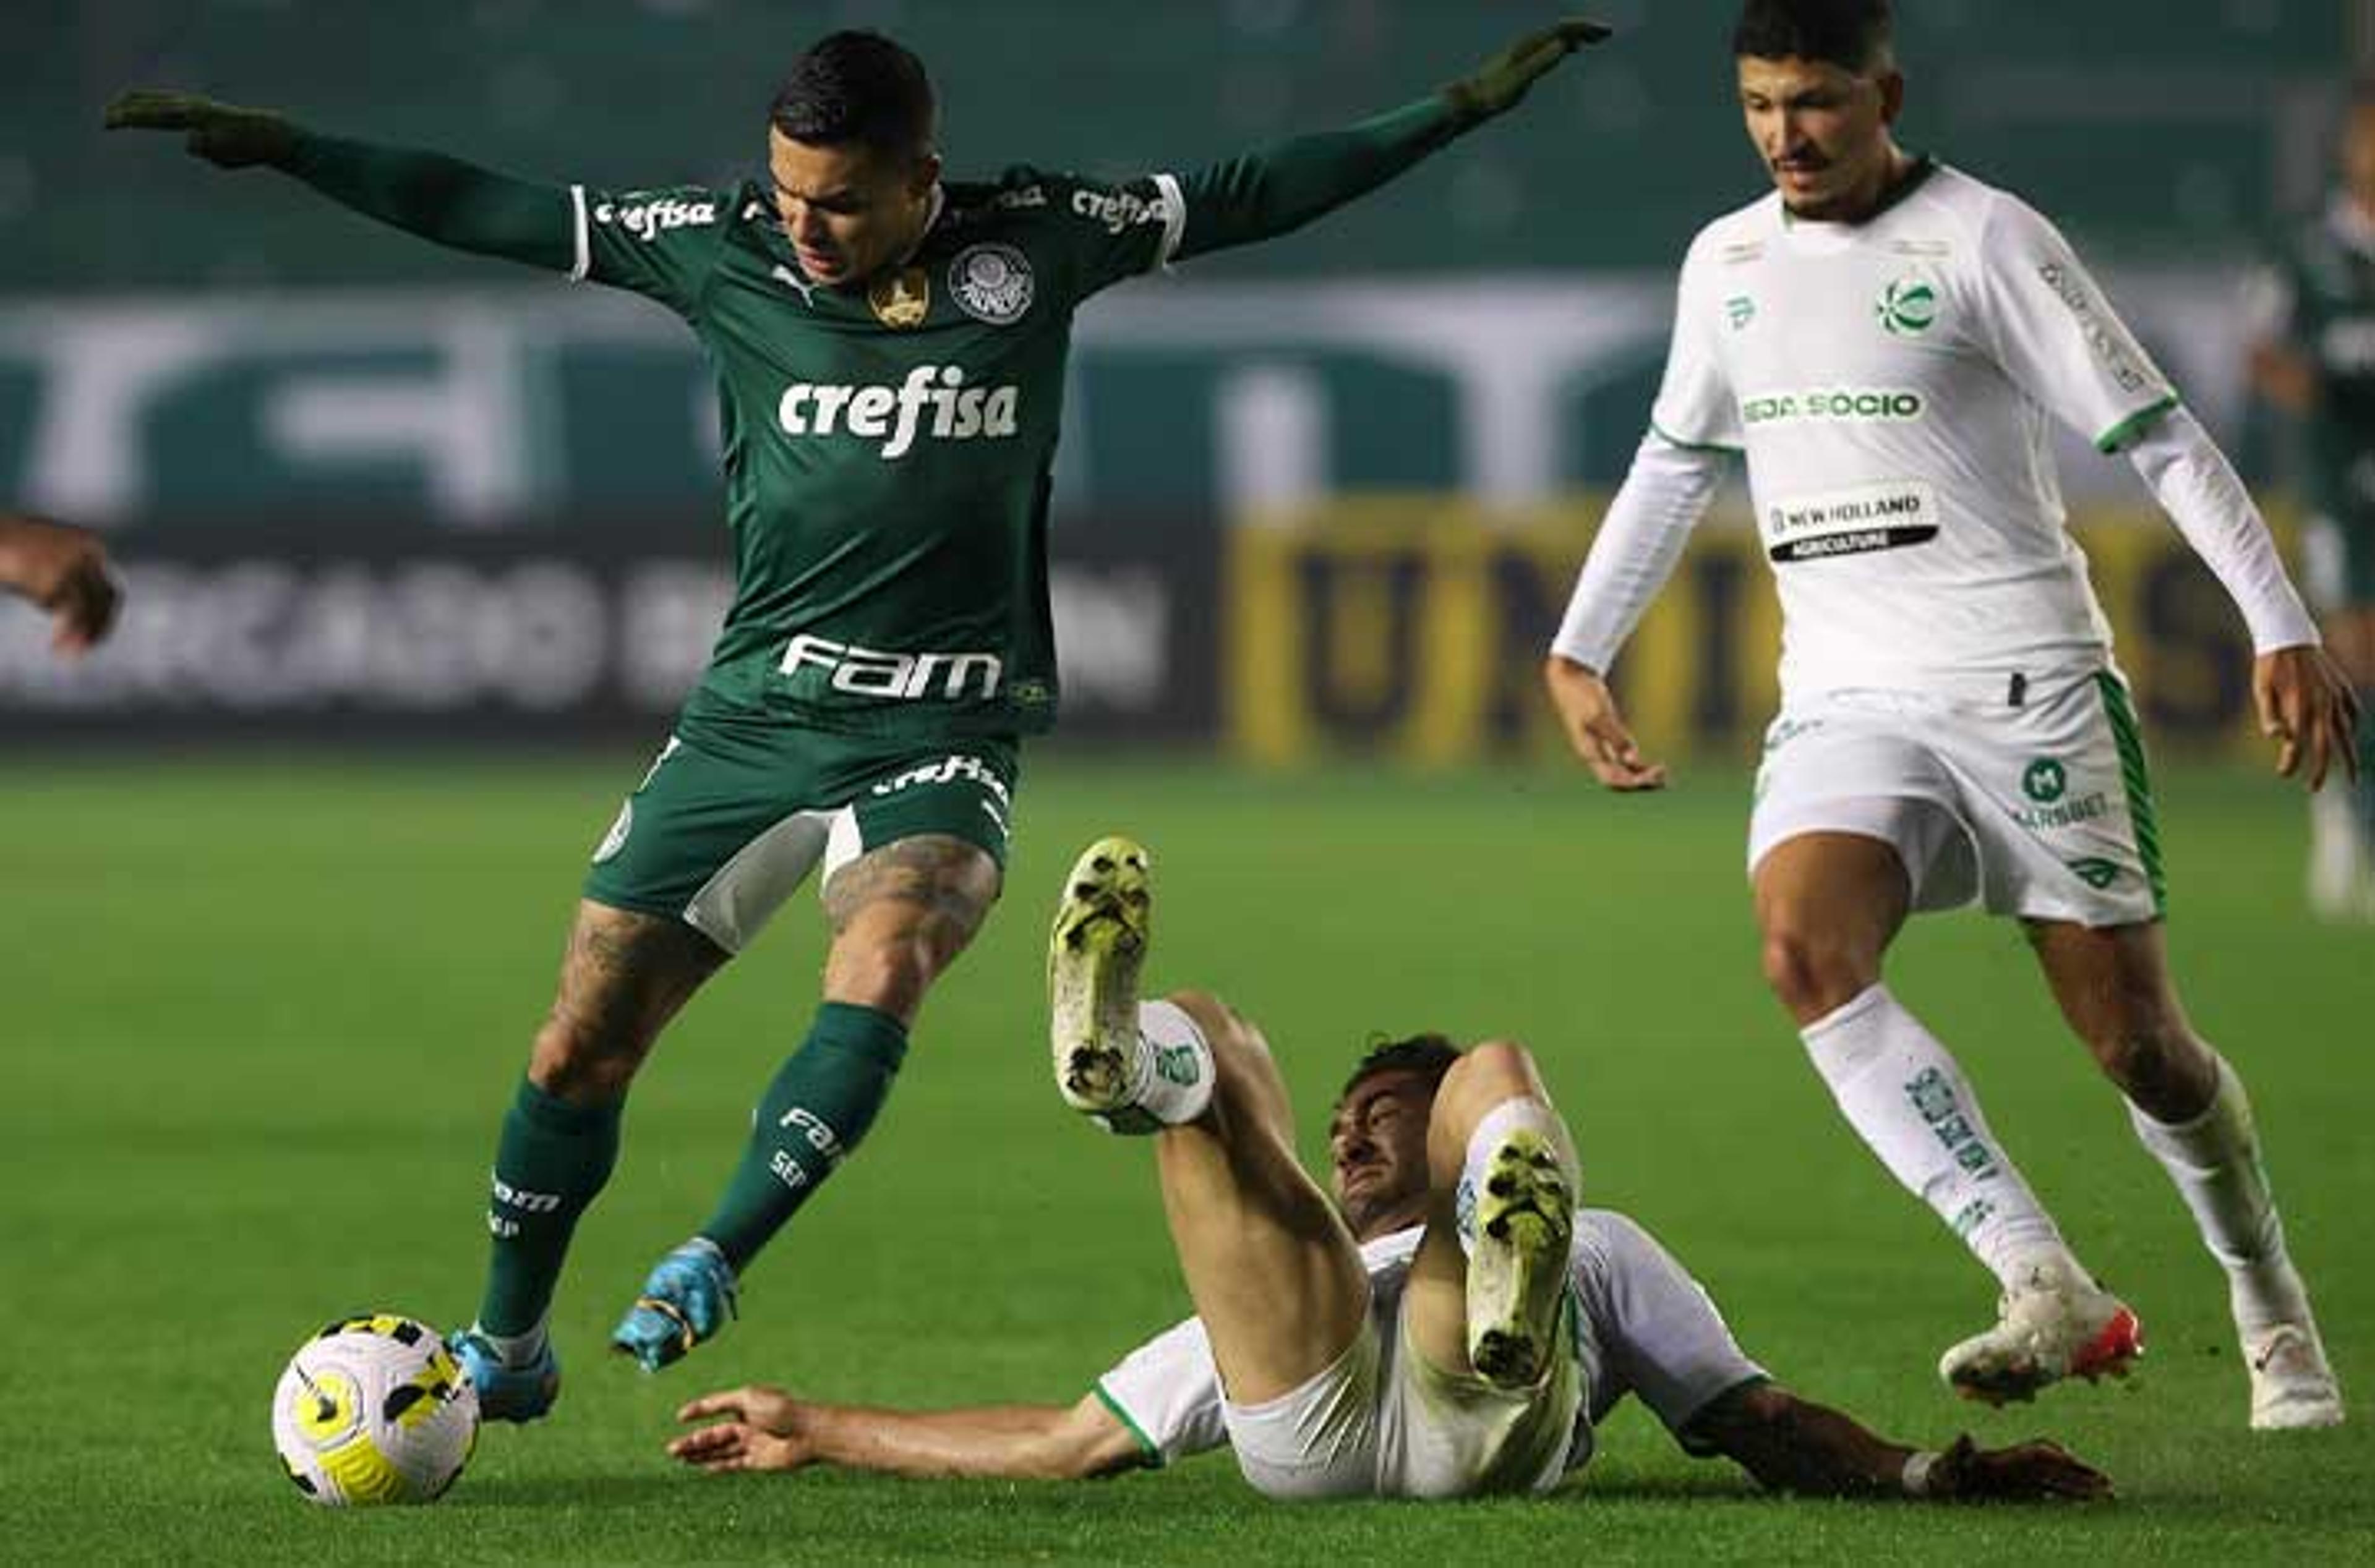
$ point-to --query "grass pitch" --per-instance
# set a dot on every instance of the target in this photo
(260, 1021)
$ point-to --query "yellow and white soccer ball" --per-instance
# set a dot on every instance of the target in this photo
(374, 1409)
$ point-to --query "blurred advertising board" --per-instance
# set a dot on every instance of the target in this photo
(1414, 628)
(404, 633)
(479, 407)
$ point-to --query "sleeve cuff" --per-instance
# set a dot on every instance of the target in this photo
(2291, 627)
(580, 237)
(1688, 1435)
(1150, 1455)
(1175, 221)
(2120, 436)
(1672, 440)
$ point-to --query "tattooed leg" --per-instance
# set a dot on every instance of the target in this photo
(901, 914)
(625, 975)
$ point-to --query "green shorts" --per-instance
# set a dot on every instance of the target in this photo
(720, 845)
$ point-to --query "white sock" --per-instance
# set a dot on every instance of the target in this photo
(2215, 1161)
(2337, 853)
(518, 1349)
(2334, 826)
(1171, 1072)
(1906, 1097)
(1520, 1114)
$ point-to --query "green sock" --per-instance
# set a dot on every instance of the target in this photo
(553, 1158)
(812, 1115)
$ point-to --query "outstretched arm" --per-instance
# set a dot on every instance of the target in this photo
(766, 1428)
(1791, 1444)
(63, 570)
(438, 199)
(1280, 188)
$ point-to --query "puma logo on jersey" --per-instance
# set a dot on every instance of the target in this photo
(895, 416)
(791, 279)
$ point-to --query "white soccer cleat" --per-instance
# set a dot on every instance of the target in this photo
(1093, 956)
(2292, 1384)
(1518, 1273)
(2055, 1324)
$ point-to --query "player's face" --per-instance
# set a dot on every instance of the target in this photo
(1822, 132)
(849, 210)
(2358, 156)
(1376, 1148)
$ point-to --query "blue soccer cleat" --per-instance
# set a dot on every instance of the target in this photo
(689, 1297)
(506, 1392)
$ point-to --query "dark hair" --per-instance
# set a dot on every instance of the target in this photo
(1853, 34)
(861, 88)
(1430, 1055)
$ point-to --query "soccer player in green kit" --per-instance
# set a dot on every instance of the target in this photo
(889, 353)
(2314, 356)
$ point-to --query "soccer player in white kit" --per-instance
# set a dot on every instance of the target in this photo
(1888, 341)
(1447, 1324)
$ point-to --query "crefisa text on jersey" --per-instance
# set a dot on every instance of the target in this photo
(872, 413)
(647, 219)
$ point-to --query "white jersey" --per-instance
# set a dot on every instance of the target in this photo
(1890, 383)
(1644, 1327)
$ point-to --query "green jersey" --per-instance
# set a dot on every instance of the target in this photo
(2318, 299)
(888, 450)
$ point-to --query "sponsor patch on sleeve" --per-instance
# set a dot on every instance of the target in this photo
(649, 214)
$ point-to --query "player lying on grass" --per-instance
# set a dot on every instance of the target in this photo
(64, 570)
(890, 351)
(1888, 340)
(1449, 1325)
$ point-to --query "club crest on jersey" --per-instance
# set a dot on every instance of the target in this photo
(1908, 308)
(991, 283)
(903, 299)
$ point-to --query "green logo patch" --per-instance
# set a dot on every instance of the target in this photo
(2045, 780)
(1740, 310)
(1907, 307)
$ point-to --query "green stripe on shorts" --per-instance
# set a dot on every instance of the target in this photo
(2129, 736)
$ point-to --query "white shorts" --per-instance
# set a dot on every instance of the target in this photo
(2042, 810)
(1382, 1421)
